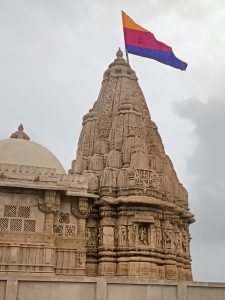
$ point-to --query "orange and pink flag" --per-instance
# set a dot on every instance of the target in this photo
(142, 42)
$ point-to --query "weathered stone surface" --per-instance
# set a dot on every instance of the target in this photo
(43, 212)
(143, 208)
(120, 211)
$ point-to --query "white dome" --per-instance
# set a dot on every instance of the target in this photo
(24, 152)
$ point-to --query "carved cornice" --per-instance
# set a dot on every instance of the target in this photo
(107, 211)
(41, 175)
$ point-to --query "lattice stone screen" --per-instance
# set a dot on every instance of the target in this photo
(63, 228)
(16, 219)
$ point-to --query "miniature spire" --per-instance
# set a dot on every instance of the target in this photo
(20, 134)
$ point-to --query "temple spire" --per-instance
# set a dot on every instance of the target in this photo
(143, 207)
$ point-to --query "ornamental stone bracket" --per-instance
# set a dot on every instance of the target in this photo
(82, 208)
(50, 203)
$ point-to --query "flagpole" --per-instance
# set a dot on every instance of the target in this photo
(127, 56)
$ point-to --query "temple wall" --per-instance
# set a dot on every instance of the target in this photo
(14, 287)
(19, 212)
(42, 231)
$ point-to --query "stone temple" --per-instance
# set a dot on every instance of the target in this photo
(120, 211)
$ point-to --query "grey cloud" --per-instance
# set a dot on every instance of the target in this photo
(193, 10)
(206, 181)
(53, 54)
(208, 159)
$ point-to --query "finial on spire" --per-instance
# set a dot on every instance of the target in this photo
(20, 128)
(119, 60)
(119, 53)
(20, 134)
(119, 56)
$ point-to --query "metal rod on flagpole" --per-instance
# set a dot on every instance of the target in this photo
(127, 56)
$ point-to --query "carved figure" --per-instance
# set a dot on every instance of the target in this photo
(122, 235)
(143, 234)
(136, 236)
(100, 236)
(168, 240)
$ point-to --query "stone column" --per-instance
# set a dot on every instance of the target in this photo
(50, 206)
(83, 210)
(81, 230)
(107, 235)
(48, 227)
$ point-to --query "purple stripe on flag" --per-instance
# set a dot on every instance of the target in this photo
(167, 58)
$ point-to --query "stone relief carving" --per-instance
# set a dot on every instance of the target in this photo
(82, 208)
(146, 178)
(177, 240)
(72, 181)
(100, 236)
(50, 203)
(81, 259)
(92, 236)
(185, 241)
(168, 236)
(158, 238)
(18, 172)
(143, 234)
(122, 235)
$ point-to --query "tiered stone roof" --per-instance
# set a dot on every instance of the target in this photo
(121, 153)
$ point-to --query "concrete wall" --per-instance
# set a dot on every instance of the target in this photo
(13, 287)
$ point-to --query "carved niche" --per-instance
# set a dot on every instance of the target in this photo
(142, 234)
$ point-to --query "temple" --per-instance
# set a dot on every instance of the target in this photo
(119, 211)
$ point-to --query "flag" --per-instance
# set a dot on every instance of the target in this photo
(142, 42)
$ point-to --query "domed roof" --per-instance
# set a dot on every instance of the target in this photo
(21, 151)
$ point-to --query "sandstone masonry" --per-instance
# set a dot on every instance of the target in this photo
(138, 227)
(120, 211)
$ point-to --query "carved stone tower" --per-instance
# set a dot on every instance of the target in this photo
(138, 227)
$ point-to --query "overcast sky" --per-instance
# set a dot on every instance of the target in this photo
(52, 57)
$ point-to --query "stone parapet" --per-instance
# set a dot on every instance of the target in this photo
(19, 287)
